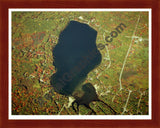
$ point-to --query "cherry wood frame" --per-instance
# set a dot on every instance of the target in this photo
(6, 4)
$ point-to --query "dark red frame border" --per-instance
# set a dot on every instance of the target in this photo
(6, 4)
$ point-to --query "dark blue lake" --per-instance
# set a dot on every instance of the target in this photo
(75, 55)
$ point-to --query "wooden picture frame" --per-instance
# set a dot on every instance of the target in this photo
(4, 13)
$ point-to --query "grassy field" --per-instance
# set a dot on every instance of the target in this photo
(121, 80)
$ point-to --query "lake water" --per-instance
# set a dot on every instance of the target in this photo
(75, 55)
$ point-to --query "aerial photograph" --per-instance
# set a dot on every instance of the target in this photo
(79, 62)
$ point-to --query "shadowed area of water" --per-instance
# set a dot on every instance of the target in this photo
(75, 55)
